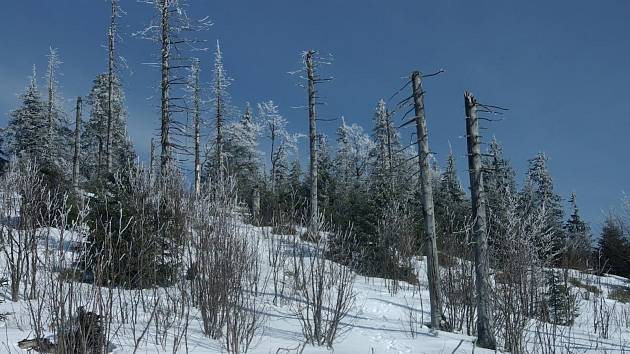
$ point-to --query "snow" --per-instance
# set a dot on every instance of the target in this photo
(377, 323)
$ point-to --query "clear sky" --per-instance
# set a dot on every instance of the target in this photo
(561, 67)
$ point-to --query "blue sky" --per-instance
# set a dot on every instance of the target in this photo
(560, 66)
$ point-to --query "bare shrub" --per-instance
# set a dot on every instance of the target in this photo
(621, 294)
(457, 279)
(414, 314)
(324, 290)
(396, 235)
(602, 313)
(61, 304)
(227, 273)
(588, 289)
(22, 194)
(277, 261)
(244, 321)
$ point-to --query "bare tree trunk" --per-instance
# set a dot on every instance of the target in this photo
(485, 318)
(165, 156)
(273, 162)
(77, 147)
(427, 203)
(197, 123)
(99, 157)
(50, 108)
(221, 82)
(312, 130)
(255, 203)
(152, 160)
(110, 84)
(390, 169)
(219, 138)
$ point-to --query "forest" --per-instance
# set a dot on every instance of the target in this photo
(225, 240)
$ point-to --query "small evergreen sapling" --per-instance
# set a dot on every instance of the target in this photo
(561, 305)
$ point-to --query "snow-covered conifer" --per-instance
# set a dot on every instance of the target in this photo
(94, 137)
(27, 130)
(242, 156)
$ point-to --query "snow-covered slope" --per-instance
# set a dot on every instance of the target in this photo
(378, 323)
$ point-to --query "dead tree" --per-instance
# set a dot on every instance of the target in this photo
(77, 147)
(427, 203)
(169, 30)
(111, 40)
(196, 100)
(219, 91)
(390, 133)
(152, 160)
(165, 156)
(51, 109)
(485, 318)
(312, 130)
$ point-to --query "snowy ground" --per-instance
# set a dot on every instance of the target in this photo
(378, 323)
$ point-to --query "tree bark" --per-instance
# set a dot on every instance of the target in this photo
(152, 160)
(255, 204)
(273, 160)
(427, 203)
(197, 122)
(219, 139)
(50, 108)
(110, 86)
(485, 318)
(314, 217)
(77, 147)
(165, 157)
(390, 169)
(219, 97)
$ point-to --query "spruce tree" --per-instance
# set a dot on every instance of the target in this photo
(352, 201)
(58, 134)
(538, 195)
(451, 207)
(283, 145)
(613, 248)
(353, 154)
(499, 179)
(242, 156)
(449, 187)
(295, 182)
(4, 159)
(94, 138)
(388, 179)
(561, 303)
(27, 130)
(578, 240)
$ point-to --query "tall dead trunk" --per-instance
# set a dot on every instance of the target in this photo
(485, 318)
(99, 157)
(197, 123)
(152, 160)
(219, 139)
(50, 107)
(221, 82)
(273, 161)
(165, 157)
(255, 210)
(390, 169)
(110, 85)
(427, 203)
(312, 130)
(77, 146)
